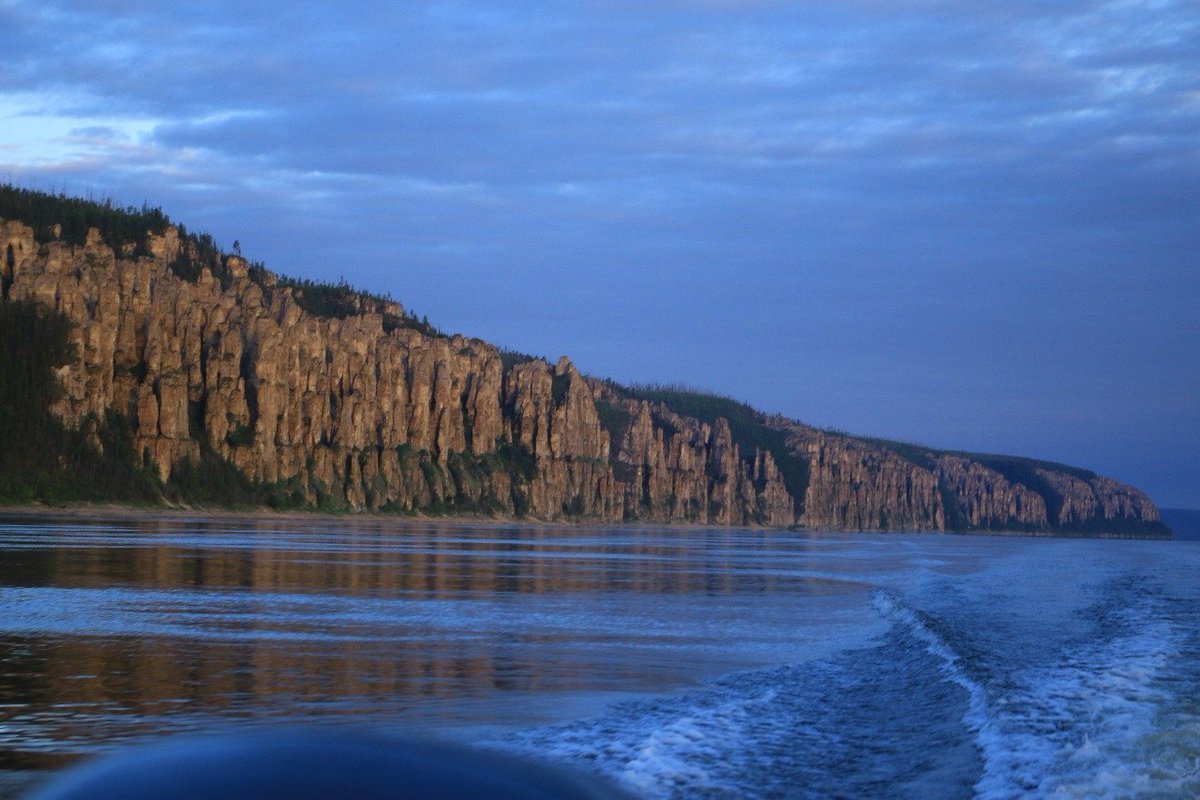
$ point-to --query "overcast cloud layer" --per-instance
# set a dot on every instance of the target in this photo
(970, 224)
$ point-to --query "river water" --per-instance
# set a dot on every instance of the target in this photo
(683, 662)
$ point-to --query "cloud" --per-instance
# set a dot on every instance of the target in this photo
(929, 204)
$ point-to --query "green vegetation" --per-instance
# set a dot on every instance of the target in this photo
(559, 384)
(616, 420)
(1123, 526)
(470, 473)
(916, 454)
(515, 459)
(198, 251)
(331, 300)
(214, 481)
(510, 358)
(340, 300)
(469, 477)
(27, 384)
(126, 229)
(242, 435)
(42, 212)
(131, 227)
(40, 460)
(1018, 466)
(1016, 470)
(956, 520)
(1024, 472)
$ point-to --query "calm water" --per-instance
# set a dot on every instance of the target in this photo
(682, 662)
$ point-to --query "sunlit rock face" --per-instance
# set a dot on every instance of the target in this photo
(354, 414)
(359, 412)
(854, 485)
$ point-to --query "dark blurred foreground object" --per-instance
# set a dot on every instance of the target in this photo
(314, 764)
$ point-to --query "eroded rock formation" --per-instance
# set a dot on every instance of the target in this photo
(857, 486)
(365, 413)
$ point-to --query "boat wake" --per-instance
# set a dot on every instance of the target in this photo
(930, 711)
(845, 725)
(1102, 718)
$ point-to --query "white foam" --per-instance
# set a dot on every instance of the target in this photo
(676, 746)
(1085, 726)
(679, 754)
(977, 717)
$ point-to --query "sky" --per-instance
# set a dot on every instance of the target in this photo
(973, 225)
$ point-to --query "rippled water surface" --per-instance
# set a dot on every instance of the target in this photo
(677, 662)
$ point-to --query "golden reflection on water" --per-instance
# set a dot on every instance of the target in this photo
(428, 559)
(333, 634)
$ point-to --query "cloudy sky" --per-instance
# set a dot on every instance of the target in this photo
(971, 224)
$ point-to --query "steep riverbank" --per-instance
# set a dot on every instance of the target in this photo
(216, 379)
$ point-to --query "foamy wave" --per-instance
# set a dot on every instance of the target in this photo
(977, 718)
(680, 754)
(675, 747)
(1095, 720)
(1089, 725)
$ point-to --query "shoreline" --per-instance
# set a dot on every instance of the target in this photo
(127, 511)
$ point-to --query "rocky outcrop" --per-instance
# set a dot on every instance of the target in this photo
(854, 485)
(986, 499)
(1085, 500)
(678, 468)
(360, 410)
(871, 484)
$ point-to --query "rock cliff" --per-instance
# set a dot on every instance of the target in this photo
(350, 413)
(363, 410)
(857, 486)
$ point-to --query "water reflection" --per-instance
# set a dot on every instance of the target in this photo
(121, 628)
(369, 557)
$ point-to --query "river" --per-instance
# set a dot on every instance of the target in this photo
(676, 662)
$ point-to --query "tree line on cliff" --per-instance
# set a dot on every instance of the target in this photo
(40, 459)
